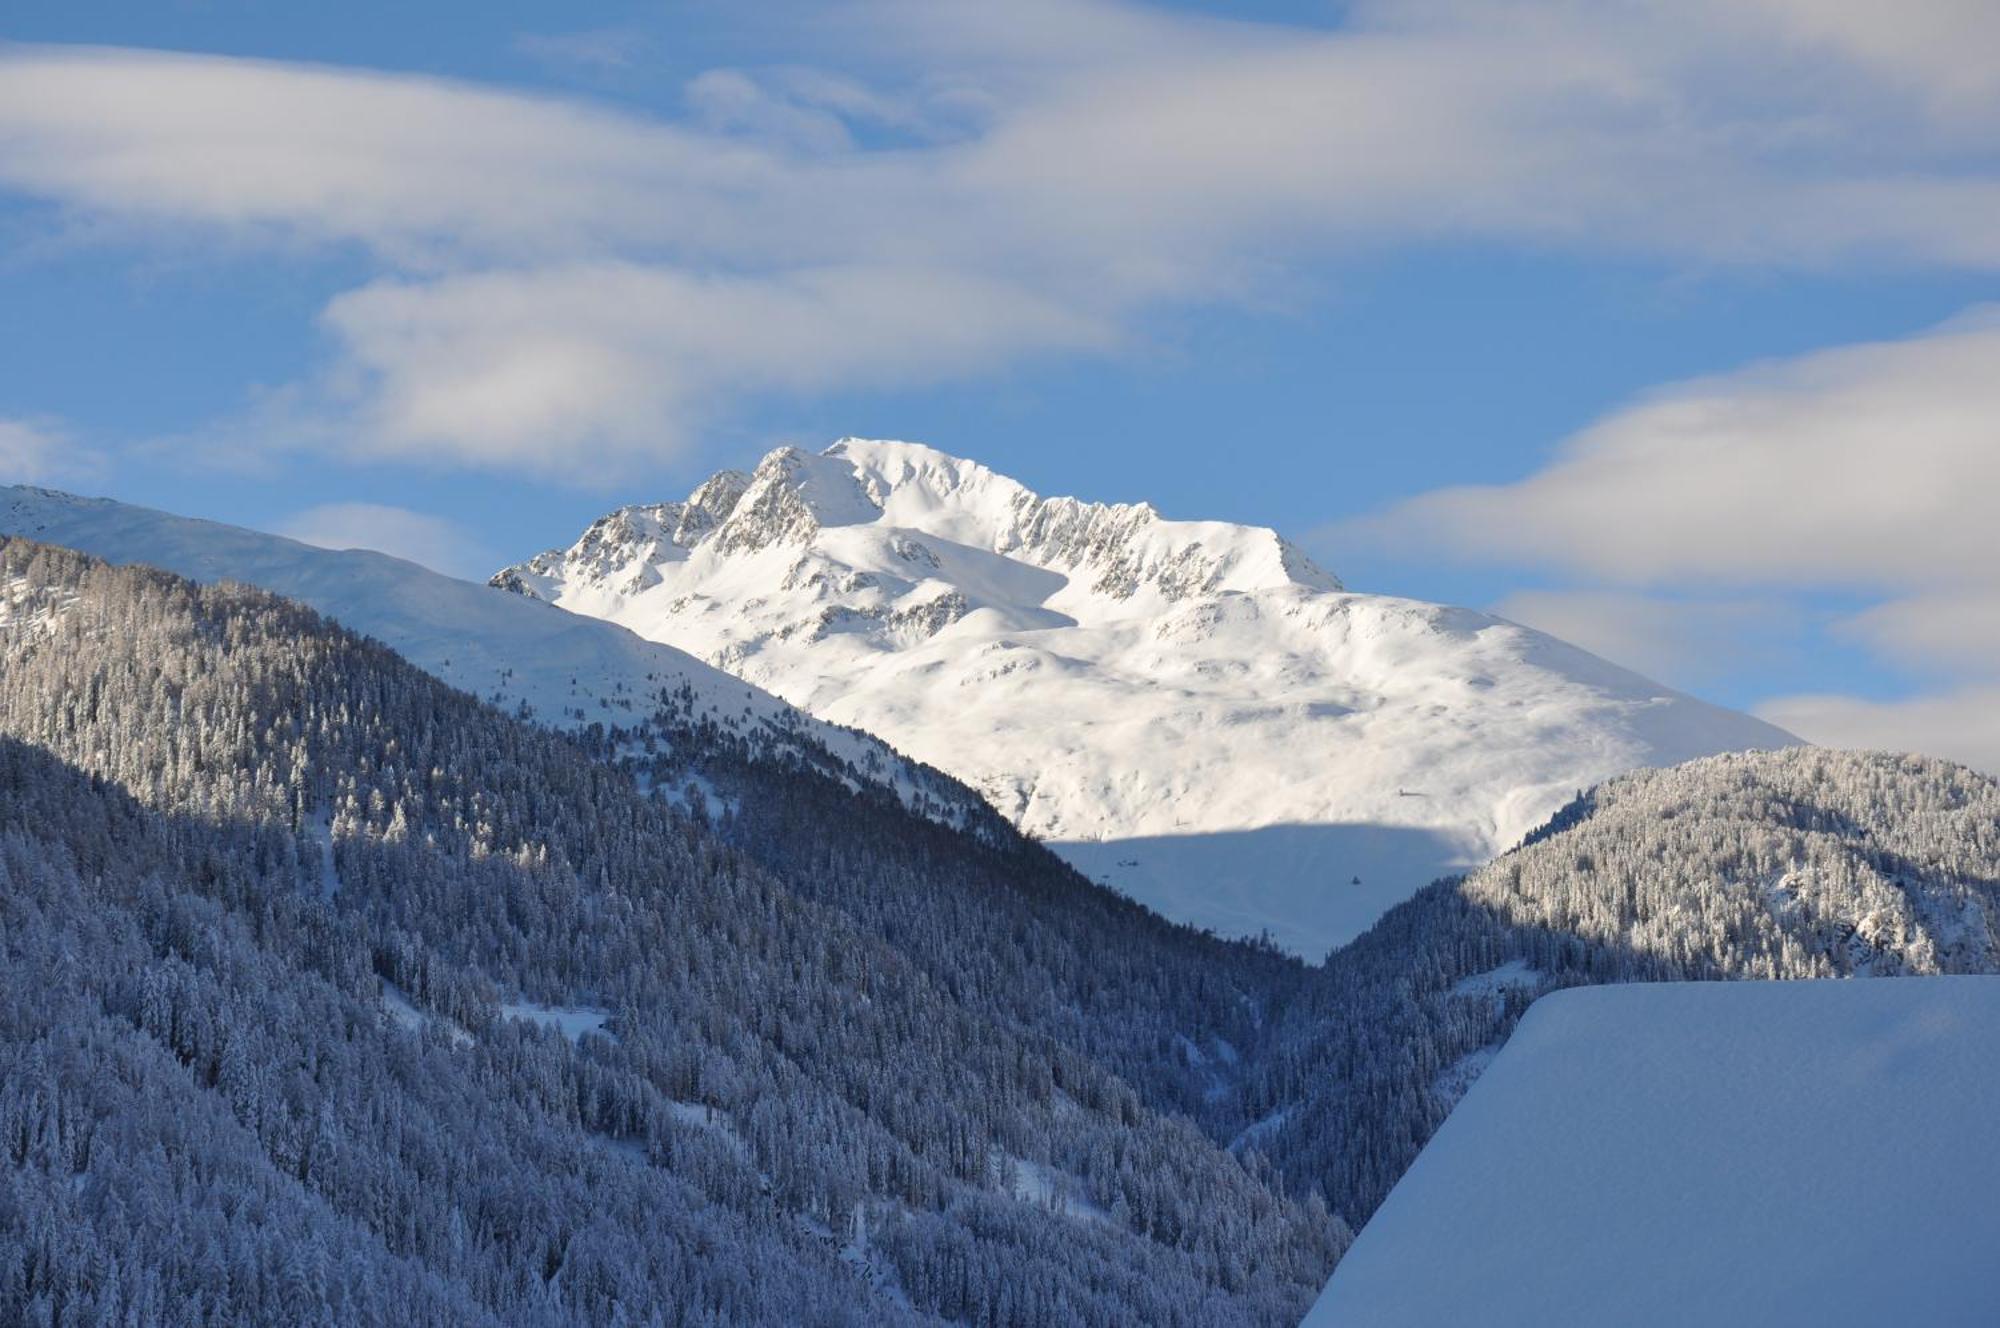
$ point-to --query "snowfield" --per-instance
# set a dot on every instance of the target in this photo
(1190, 711)
(1771, 1153)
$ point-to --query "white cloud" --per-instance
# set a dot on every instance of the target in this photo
(37, 451)
(432, 541)
(1940, 51)
(595, 49)
(1685, 642)
(1872, 465)
(526, 367)
(422, 169)
(1868, 470)
(731, 101)
(1953, 631)
(1034, 177)
(1959, 725)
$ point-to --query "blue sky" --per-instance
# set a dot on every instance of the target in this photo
(1610, 316)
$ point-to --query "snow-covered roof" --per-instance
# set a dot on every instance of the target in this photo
(1810, 1153)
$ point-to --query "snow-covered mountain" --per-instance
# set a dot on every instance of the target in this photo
(1189, 710)
(564, 670)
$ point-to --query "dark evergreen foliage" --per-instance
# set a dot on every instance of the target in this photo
(245, 849)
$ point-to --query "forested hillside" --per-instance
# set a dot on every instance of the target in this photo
(560, 669)
(835, 813)
(332, 995)
(1805, 863)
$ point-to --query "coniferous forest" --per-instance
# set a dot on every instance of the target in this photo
(270, 894)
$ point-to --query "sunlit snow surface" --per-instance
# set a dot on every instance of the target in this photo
(1807, 1153)
(1187, 710)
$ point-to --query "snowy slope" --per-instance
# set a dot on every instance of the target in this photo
(1190, 711)
(567, 670)
(1813, 1153)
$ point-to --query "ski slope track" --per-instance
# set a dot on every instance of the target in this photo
(568, 671)
(1189, 711)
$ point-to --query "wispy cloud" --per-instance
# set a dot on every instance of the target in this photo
(1871, 465)
(43, 450)
(595, 49)
(924, 189)
(1866, 469)
(432, 541)
(522, 367)
(1688, 642)
(1962, 724)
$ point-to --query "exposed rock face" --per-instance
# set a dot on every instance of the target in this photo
(1120, 551)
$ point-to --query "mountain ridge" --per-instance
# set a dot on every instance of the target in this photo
(1193, 712)
(792, 495)
(562, 670)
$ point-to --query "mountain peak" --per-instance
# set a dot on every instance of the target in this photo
(1189, 710)
(791, 496)
(1118, 554)
(1124, 549)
